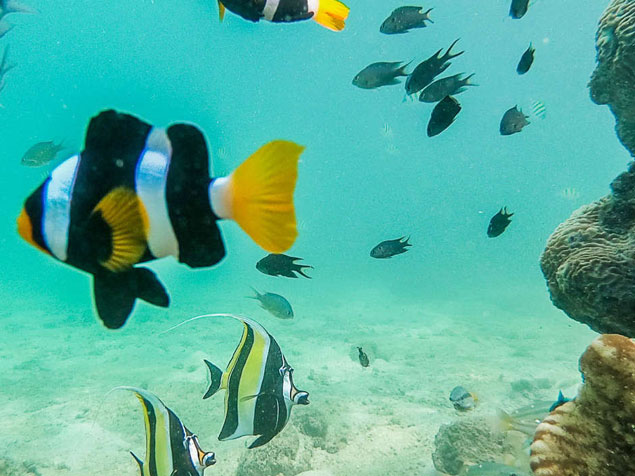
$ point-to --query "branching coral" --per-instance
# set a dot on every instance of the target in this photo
(594, 435)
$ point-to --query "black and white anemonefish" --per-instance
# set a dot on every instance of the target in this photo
(137, 193)
(171, 449)
(331, 14)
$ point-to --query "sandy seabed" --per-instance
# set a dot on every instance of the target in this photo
(56, 370)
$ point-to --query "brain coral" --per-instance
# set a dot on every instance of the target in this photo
(594, 435)
(589, 261)
(613, 80)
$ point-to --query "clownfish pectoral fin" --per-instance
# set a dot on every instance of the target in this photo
(139, 462)
(332, 14)
(258, 195)
(115, 294)
(216, 377)
(221, 11)
(121, 216)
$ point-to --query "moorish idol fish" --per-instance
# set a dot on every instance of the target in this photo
(331, 14)
(138, 193)
(259, 384)
(171, 449)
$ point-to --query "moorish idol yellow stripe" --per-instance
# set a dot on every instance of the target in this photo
(138, 193)
(258, 383)
(171, 449)
(331, 14)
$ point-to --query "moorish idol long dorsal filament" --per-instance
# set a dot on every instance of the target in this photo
(258, 383)
(138, 193)
(171, 449)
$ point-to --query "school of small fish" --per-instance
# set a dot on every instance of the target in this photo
(106, 213)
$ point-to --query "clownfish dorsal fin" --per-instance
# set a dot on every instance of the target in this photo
(216, 377)
(139, 462)
(125, 217)
(221, 11)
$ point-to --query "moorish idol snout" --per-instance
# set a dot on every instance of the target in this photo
(171, 449)
(138, 193)
(259, 384)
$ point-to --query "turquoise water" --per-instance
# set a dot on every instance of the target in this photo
(457, 309)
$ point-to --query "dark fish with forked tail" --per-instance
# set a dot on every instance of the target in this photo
(513, 121)
(526, 60)
(443, 87)
(518, 8)
(380, 74)
(443, 115)
(427, 70)
(403, 19)
(499, 223)
(389, 248)
(282, 265)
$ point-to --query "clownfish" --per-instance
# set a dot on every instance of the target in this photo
(171, 449)
(331, 14)
(138, 193)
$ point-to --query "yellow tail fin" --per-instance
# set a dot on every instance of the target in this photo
(262, 195)
(332, 14)
(124, 214)
(221, 11)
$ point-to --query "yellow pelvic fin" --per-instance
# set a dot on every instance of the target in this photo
(124, 213)
(262, 195)
(221, 11)
(332, 14)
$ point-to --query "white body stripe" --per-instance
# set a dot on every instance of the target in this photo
(220, 197)
(150, 182)
(56, 209)
(270, 9)
(313, 6)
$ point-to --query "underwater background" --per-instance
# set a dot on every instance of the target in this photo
(458, 309)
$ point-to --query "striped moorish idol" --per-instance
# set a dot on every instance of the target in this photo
(331, 14)
(259, 384)
(137, 193)
(171, 449)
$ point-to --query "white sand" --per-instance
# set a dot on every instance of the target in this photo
(381, 420)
